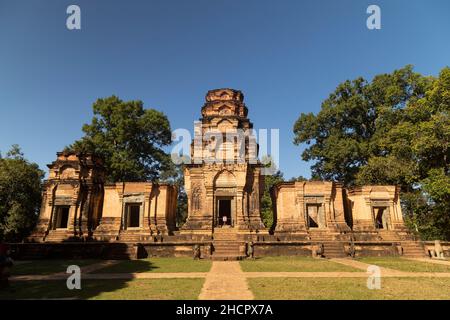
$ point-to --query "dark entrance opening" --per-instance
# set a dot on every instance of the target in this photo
(62, 217)
(315, 216)
(224, 212)
(380, 218)
(312, 223)
(133, 215)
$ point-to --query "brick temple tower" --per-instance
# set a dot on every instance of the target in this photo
(223, 182)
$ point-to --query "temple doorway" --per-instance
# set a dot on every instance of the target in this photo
(315, 216)
(224, 212)
(132, 215)
(62, 217)
(380, 215)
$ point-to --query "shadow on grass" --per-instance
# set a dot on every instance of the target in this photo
(58, 289)
(44, 267)
(116, 289)
(130, 266)
(159, 264)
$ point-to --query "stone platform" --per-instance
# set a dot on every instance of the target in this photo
(138, 250)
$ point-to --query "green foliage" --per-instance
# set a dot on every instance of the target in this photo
(297, 179)
(129, 138)
(20, 195)
(437, 185)
(392, 130)
(266, 200)
(351, 127)
(175, 175)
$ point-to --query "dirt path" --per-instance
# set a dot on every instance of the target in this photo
(442, 262)
(107, 276)
(100, 265)
(91, 267)
(225, 281)
(396, 274)
(363, 266)
(184, 275)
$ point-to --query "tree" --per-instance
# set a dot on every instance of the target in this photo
(175, 176)
(392, 130)
(349, 129)
(298, 179)
(129, 138)
(430, 146)
(20, 195)
(267, 215)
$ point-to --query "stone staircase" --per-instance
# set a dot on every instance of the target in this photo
(133, 236)
(320, 235)
(334, 249)
(57, 236)
(387, 235)
(413, 249)
(226, 246)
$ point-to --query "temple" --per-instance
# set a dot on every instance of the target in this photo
(224, 185)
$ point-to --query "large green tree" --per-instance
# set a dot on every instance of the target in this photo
(20, 195)
(175, 175)
(350, 127)
(391, 130)
(129, 138)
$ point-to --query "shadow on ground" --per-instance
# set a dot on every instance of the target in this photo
(57, 289)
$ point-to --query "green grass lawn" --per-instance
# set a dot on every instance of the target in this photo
(48, 266)
(159, 265)
(136, 289)
(293, 264)
(405, 265)
(349, 288)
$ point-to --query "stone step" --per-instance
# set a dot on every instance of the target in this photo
(224, 230)
(226, 249)
(321, 237)
(216, 257)
(134, 236)
(389, 237)
(333, 250)
(413, 249)
(222, 248)
(225, 245)
(224, 235)
(225, 242)
(56, 237)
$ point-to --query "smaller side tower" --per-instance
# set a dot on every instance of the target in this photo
(72, 198)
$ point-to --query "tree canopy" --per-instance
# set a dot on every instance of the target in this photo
(267, 215)
(20, 195)
(394, 129)
(175, 175)
(129, 138)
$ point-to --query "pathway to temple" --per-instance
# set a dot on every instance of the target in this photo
(363, 266)
(225, 281)
(444, 262)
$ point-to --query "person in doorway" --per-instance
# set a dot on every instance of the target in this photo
(224, 220)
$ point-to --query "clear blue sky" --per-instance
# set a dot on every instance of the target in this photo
(286, 56)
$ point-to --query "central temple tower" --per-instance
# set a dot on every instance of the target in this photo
(223, 181)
